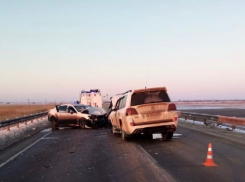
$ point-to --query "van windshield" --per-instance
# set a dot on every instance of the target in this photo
(149, 97)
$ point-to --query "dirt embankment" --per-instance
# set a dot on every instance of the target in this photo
(13, 111)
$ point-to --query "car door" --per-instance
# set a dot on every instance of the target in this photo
(72, 115)
(62, 114)
(118, 113)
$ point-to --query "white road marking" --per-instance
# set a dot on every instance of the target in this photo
(62, 128)
(147, 154)
(159, 136)
(46, 130)
(50, 138)
(7, 161)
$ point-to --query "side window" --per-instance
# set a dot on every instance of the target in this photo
(71, 109)
(123, 102)
(62, 108)
(118, 103)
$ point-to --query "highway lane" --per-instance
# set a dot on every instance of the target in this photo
(98, 155)
(82, 155)
(183, 157)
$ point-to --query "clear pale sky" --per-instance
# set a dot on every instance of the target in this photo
(52, 49)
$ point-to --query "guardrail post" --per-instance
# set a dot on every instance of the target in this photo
(205, 122)
(18, 125)
(8, 128)
(31, 121)
(26, 123)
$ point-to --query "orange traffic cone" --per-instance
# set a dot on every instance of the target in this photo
(209, 160)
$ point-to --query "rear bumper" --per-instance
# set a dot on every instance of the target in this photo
(156, 129)
(160, 126)
(153, 122)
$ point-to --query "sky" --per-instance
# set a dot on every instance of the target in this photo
(52, 49)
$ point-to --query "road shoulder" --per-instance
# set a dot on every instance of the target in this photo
(215, 131)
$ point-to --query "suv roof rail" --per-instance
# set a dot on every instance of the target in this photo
(125, 92)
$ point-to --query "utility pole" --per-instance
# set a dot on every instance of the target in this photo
(29, 104)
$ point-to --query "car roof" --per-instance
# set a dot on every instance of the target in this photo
(150, 89)
(74, 105)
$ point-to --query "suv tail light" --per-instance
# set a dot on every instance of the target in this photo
(171, 107)
(131, 111)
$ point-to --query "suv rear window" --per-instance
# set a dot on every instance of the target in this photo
(149, 97)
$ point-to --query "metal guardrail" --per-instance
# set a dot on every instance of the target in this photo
(21, 119)
(207, 119)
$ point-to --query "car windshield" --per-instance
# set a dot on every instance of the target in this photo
(79, 108)
(96, 111)
(149, 97)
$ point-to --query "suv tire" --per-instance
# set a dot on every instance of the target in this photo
(124, 136)
(167, 136)
(114, 129)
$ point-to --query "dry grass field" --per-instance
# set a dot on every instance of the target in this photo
(13, 111)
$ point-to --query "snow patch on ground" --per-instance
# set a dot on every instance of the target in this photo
(192, 107)
(192, 122)
(15, 134)
(241, 129)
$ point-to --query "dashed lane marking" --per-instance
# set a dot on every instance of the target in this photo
(159, 136)
(46, 130)
(177, 135)
(11, 158)
(50, 138)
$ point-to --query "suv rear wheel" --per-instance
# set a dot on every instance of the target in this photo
(124, 136)
(167, 136)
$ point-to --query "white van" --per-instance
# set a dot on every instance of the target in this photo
(91, 98)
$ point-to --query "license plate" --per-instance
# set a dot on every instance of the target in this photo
(153, 115)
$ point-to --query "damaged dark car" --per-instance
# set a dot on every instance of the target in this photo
(77, 114)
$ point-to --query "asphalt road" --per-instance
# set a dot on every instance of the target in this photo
(97, 155)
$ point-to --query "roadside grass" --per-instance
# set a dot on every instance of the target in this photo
(13, 111)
